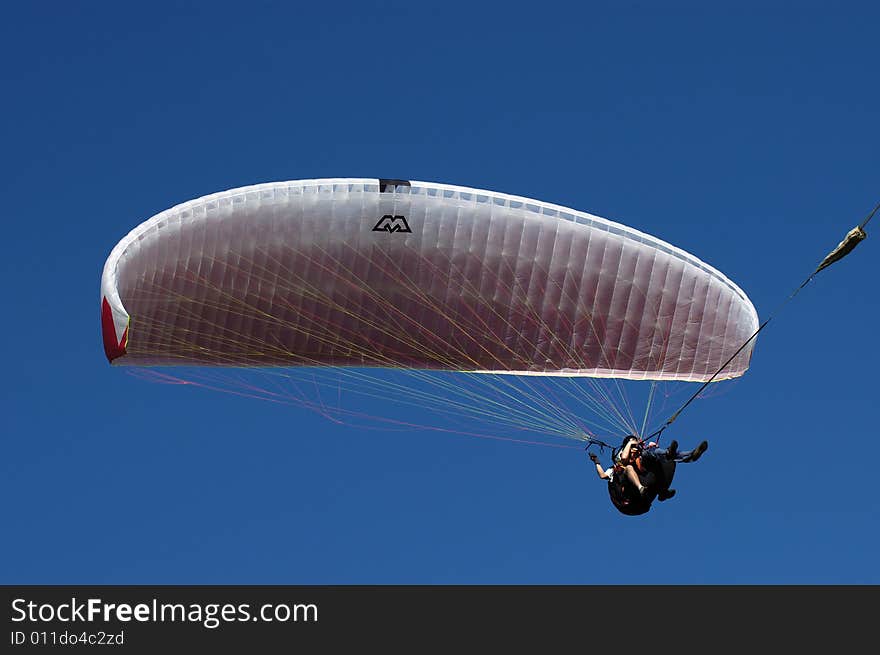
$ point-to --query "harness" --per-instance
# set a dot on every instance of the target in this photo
(626, 499)
(623, 495)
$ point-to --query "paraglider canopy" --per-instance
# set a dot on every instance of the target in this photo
(406, 274)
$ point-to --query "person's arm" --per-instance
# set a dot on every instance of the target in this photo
(602, 473)
(605, 474)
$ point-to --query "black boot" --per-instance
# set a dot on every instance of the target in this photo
(698, 451)
(665, 494)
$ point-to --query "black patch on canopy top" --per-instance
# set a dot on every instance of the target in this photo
(384, 183)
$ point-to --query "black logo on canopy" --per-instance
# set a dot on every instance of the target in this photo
(389, 223)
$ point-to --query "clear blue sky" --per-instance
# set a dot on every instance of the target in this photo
(745, 133)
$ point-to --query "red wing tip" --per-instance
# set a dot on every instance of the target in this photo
(113, 349)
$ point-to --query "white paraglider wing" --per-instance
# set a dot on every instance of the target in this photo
(366, 272)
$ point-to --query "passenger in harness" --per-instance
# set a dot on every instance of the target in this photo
(641, 472)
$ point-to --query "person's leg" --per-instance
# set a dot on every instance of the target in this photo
(694, 455)
(658, 456)
(689, 455)
(661, 464)
(634, 478)
(682, 456)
